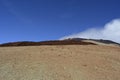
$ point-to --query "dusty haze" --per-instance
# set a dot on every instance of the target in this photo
(60, 62)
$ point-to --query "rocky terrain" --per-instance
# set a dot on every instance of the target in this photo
(73, 41)
(50, 60)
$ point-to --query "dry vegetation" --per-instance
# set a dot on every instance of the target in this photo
(55, 42)
(60, 62)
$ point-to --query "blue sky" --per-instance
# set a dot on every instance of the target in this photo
(37, 20)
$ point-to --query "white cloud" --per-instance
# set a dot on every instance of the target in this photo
(111, 31)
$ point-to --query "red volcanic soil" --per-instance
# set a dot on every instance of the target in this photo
(55, 42)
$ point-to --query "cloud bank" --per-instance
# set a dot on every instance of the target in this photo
(110, 31)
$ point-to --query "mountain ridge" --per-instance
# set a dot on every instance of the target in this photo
(69, 41)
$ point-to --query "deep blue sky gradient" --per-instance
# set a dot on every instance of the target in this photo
(37, 20)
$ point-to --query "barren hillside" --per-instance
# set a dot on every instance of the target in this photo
(60, 62)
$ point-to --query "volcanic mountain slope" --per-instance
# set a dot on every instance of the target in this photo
(55, 42)
(95, 41)
(60, 62)
(71, 41)
(69, 59)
